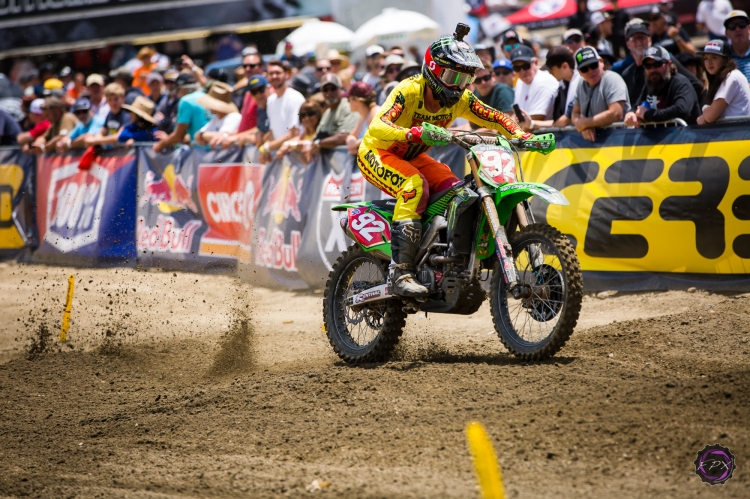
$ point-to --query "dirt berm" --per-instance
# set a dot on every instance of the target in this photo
(184, 385)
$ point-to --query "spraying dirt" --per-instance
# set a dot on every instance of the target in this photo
(184, 385)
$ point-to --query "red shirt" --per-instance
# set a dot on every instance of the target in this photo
(39, 129)
(249, 113)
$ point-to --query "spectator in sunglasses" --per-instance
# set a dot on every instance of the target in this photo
(602, 96)
(495, 95)
(338, 120)
(668, 33)
(88, 124)
(737, 27)
(668, 95)
(509, 41)
(391, 69)
(536, 90)
(259, 90)
(309, 118)
(573, 39)
(728, 91)
(502, 71)
(374, 55)
(253, 66)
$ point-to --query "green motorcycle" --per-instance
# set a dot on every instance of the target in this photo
(483, 223)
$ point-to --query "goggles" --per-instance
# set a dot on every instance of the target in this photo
(455, 78)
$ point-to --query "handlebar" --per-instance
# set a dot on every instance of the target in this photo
(469, 139)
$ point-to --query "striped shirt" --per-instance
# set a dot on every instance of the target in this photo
(743, 63)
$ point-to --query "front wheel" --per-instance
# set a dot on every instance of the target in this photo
(360, 334)
(537, 327)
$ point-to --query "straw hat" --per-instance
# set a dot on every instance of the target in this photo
(335, 55)
(143, 107)
(219, 99)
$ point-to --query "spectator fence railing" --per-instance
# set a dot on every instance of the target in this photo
(677, 122)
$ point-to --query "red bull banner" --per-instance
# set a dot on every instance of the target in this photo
(86, 217)
(17, 228)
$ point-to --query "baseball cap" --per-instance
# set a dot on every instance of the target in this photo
(657, 53)
(656, 12)
(95, 79)
(716, 47)
(36, 106)
(171, 75)
(53, 84)
(510, 35)
(374, 50)
(599, 17)
(586, 56)
(522, 53)
(65, 72)
(330, 79)
(81, 105)
(635, 28)
(249, 50)
(185, 79)
(502, 63)
(257, 81)
(572, 32)
(360, 89)
(154, 77)
(122, 72)
(735, 14)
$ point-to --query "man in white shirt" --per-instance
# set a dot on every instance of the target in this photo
(95, 86)
(282, 107)
(374, 55)
(535, 90)
(711, 15)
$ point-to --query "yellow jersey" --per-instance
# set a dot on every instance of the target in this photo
(404, 108)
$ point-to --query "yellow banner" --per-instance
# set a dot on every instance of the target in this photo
(11, 178)
(656, 208)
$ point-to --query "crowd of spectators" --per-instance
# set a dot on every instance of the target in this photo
(606, 69)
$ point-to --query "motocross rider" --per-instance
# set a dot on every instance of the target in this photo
(393, 156)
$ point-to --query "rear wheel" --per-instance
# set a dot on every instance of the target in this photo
(537, 327)
(360, 334)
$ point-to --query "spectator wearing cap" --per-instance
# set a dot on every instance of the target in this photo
(88, 124)
(509, 41)
(338, 60)
(603, 21)
(668, 33)
(253, 66)
(259, 90)
(737, 27)
(115, 120)
(140, 75)
(226, 119)
(142, 124)
(561, 66)
(9, 129)
(502, 72)
(535, 90)
(165, 113)
(638, 41)
(496, 95)
(39, 122)
(95, 87)
(362, 100)
(728, 91)
(282, 107)
(711, 15)
(61, 124)
(191, 115)
(391, 68)
(155, 83)
(667, 96)
(573, 39)
(288, 56)
(485, 51)
(602, 96)
(338, 120)
(374, 55)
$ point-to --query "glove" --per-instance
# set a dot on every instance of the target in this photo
(429, 135)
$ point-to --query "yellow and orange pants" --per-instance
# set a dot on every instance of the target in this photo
(410, 182)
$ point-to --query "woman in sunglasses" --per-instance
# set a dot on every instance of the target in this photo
(496, 96)
(728, 92)
(309, 117)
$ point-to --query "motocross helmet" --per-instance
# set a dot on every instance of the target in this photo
(449, 66)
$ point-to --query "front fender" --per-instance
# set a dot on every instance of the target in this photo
(508, 196)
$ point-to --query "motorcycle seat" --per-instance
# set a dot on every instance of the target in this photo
(385, 204)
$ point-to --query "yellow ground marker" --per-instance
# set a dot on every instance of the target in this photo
(486, 464)
(68, 306)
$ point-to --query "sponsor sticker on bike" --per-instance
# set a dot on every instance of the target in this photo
(369, 228)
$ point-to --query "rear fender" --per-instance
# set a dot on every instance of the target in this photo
(508, 196)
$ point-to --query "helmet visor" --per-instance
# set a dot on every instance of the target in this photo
(455, 78)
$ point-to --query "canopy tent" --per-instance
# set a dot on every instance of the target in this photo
(316, 35)
(549, 13)
(397, 27)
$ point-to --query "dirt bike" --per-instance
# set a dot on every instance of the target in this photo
(483, 223)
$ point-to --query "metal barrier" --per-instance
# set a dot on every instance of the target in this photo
(621, 125)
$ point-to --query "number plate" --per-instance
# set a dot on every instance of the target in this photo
(369, 227)
(498, 165)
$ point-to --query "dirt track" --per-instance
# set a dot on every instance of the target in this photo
(241, 396)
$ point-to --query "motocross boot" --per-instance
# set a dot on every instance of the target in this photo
(405, 238)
